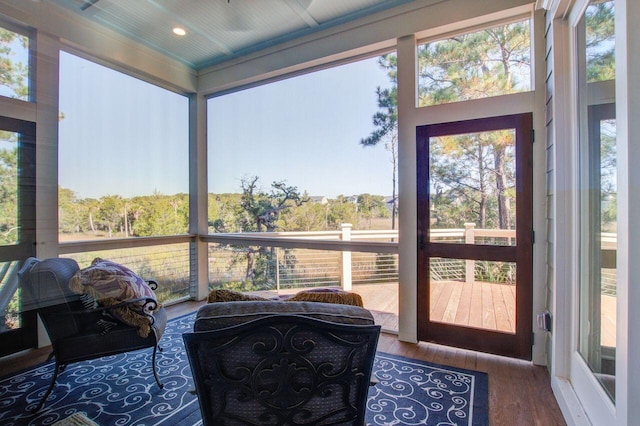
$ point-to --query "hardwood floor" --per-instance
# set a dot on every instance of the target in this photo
(519, 392)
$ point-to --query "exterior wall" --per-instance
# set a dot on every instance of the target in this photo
(549, 211)
(559, 168)
(540, 185)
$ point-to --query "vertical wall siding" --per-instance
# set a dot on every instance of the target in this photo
(550, 140)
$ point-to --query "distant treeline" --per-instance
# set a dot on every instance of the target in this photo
(281, 209)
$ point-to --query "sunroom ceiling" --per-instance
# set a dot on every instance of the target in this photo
(218, 30)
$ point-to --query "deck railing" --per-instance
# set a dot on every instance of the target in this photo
(306, 259)
(343, 257)
(302, 259)
(9, 303)
(346, 257)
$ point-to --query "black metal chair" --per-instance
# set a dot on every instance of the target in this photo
(78, 333)
(282, 363)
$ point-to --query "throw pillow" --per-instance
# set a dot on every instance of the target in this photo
(222, 295)
(327, 295)
(111, 283)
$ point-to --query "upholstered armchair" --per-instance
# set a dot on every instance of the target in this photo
(76, 324)
(277, 363)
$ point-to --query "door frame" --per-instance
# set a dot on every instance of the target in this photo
(518, 345)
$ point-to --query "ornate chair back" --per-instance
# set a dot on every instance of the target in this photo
(285, 368)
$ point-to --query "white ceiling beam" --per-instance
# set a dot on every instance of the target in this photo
(302, 12)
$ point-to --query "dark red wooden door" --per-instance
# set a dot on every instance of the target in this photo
(475, 234)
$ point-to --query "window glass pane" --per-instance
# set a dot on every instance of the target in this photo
(473, 188)
(8, 187)
(14, 65)
(491, 62)
(307, 153)
(123, 156)
(598, 197)
(600, 41)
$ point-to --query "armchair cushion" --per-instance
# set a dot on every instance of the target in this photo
(214, 316)
(111, 283)
(324, 295)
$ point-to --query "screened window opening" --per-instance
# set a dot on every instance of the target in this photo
(123, 155)
(600, 40)
(14, 65)
(306, 154)
(491, 62)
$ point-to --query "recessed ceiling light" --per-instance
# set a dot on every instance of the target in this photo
(179, 31)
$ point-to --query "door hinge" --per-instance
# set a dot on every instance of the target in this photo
(533, 237)
(533, 136)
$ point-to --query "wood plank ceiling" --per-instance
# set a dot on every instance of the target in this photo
(219, 30)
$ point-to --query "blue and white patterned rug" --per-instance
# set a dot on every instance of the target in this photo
(120, 390)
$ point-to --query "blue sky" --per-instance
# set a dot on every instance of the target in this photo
(120, 136)
(305, 130)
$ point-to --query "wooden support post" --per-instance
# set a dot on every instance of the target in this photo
(346, 258)
(469, 238)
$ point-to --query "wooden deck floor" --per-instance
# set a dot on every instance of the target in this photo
(479, 304)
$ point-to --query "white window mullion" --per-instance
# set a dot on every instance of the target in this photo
(407, 93)
(47, 58)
